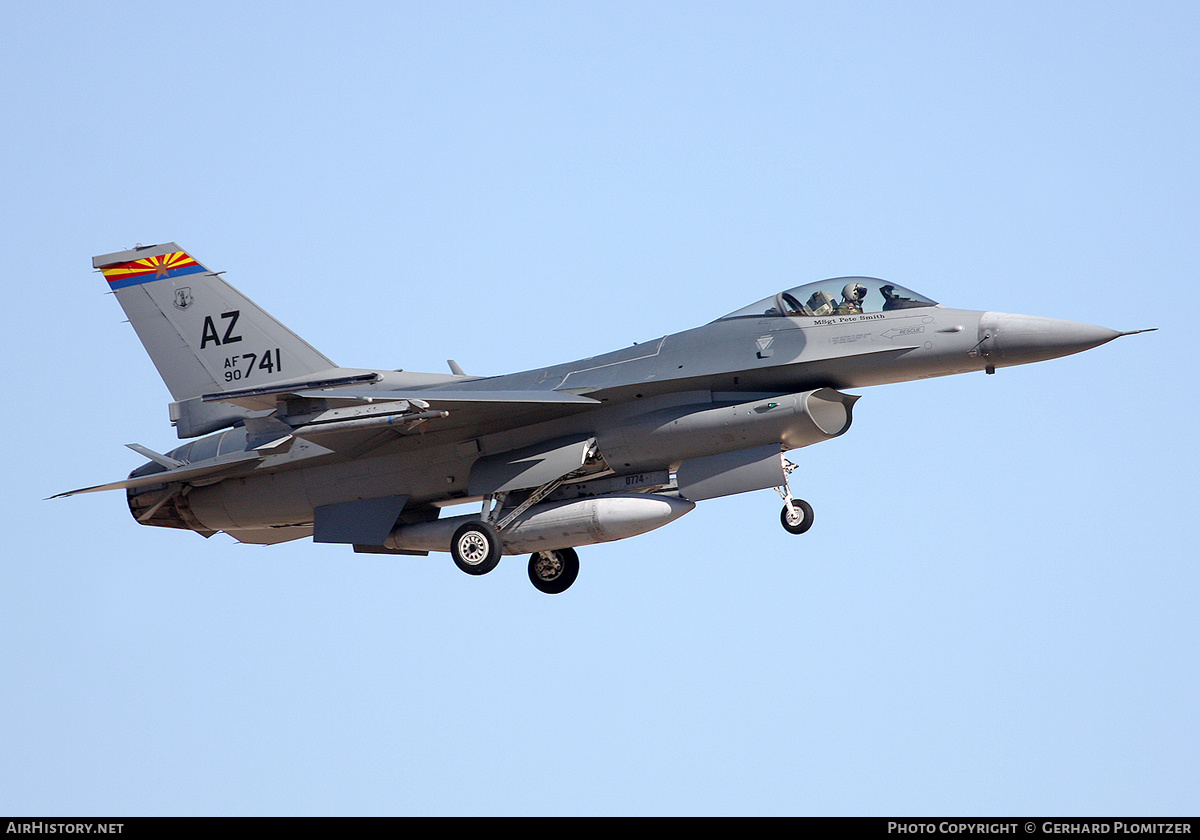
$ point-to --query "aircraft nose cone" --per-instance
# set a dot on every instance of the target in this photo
(1019, 339)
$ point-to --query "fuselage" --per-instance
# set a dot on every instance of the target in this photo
(728, 362)
(285, 444)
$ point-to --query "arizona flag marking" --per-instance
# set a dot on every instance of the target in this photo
(147, 270)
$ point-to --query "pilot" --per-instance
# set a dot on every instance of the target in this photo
(852, 298)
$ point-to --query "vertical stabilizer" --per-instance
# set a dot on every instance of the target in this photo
(202, 334)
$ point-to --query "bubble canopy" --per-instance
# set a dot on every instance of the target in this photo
(836, 296)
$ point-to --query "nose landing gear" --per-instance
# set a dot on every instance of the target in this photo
(797, 514)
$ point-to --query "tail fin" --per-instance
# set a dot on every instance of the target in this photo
(203, 335)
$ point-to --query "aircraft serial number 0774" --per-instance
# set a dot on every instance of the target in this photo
(284, 444)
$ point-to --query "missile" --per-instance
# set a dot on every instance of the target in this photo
(399, 422)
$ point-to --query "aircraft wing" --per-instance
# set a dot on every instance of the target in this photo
(360, 417)
(369, 419)
(364, 417)
(335, 388)
(434, 396)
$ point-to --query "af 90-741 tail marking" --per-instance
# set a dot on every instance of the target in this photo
(270, 361)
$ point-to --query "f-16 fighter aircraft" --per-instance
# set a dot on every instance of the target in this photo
(289, 445)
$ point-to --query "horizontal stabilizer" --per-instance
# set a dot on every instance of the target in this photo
(188, 472)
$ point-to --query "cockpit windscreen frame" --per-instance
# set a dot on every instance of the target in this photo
(836, 296)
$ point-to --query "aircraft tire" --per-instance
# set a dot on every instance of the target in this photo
(476, 548)
(796, 517)
(553, 572)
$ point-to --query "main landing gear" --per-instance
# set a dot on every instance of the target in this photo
(553, 571)
(797, 514)
(476, 548)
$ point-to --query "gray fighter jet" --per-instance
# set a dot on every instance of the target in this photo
(289, 445)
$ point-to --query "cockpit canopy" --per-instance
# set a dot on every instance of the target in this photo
(838, 296)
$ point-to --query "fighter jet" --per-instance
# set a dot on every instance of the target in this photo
(284, 444)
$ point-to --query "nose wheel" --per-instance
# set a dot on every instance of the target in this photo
(797, 514)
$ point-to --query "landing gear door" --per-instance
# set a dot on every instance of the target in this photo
(531, 466)
(730, 473)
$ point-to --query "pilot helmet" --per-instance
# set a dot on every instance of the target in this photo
(854, 291)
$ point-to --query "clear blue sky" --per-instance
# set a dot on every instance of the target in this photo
(996, 610)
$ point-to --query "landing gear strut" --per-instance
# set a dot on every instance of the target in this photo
(476, 546)
(553, 571)
(797, 514)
